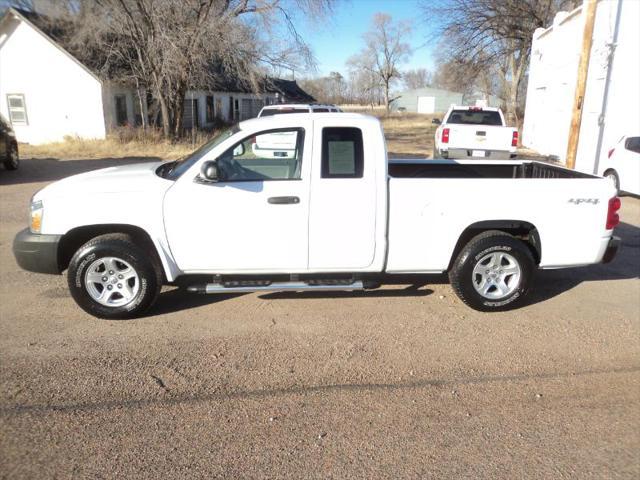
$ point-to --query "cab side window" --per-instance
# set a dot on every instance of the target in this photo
(269, 155)
(342, 152)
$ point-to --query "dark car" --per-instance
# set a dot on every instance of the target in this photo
(8, 146)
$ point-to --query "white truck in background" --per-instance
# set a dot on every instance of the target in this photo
(475, 132)
(333, 214)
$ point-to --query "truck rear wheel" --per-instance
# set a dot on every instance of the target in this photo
(493, 272)
(111, 277)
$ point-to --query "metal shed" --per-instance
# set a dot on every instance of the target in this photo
(436, 100)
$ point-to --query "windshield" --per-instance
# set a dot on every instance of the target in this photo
(173, 170)
(279, 111)
(475, 117)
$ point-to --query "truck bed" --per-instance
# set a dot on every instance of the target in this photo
(431, 204)
(494, 170)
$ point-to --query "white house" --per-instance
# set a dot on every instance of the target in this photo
(611, 104)
(47, 94)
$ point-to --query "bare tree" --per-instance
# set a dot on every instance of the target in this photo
(385, 49)
(168, 47)
(493, 36)
(417, 78)
(330, 89)
(454, 75)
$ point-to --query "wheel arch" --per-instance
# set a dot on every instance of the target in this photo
(76, 237)
(615, 175)
(525, 231)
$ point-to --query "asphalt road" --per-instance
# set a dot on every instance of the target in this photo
(403, 382)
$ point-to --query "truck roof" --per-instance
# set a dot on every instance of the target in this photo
(474, 107)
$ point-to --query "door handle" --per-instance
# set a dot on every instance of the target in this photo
(283, 200)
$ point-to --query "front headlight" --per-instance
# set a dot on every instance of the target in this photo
(36, 211)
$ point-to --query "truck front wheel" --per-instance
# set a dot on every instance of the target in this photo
(493, 272)
(111, 277)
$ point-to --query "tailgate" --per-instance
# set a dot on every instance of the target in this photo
(480, 137)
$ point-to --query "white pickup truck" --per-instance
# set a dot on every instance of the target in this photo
(333, 215)
(475, 132)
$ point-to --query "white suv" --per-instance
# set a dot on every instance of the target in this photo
(297, 108)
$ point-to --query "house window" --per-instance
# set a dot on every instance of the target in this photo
(210, 109)
(121, 110)
(17, 109)
(219, 108)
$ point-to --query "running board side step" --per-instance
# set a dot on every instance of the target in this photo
(275, 287)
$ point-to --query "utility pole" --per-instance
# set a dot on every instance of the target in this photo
(589, 10)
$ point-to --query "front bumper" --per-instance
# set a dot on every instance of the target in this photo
(612, 249)
(37, 253)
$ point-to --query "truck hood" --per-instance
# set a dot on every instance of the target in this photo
(136, 177)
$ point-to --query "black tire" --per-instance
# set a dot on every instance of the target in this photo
(13, 161)
(462, 275)
(613, 176)
(120, 246)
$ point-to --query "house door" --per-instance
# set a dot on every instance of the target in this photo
(191, 117)
(426, 104)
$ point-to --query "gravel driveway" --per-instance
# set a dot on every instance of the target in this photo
(404, 382)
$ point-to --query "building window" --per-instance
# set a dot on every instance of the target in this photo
(121, 110)
(17, 109)
(219, 108)
(210, 109)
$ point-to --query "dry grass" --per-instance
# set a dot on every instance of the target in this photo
(121, 143)
(408, 136)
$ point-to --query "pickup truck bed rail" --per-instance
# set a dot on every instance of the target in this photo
(526, 170)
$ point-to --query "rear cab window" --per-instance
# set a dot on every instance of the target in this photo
(475, 117)
(342, 152)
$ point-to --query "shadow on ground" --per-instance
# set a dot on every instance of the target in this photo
(34, 170)
(626, 265)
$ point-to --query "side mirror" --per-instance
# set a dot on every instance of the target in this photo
(436, 121)
(239, 150)
(209, 171)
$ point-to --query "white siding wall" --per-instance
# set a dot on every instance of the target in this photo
(552, 79)
(61, 97)
(225, 112)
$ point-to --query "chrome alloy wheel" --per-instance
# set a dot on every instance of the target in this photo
(111, 282)
(496, 275)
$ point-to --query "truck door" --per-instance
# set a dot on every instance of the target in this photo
(343, 200)
(255, 218)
